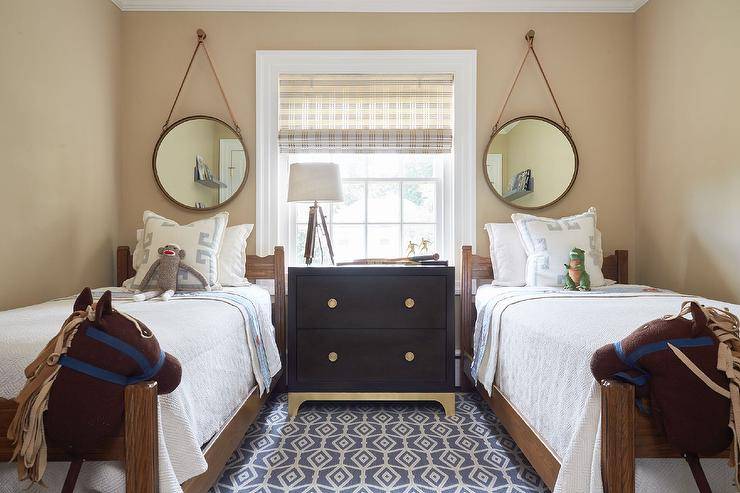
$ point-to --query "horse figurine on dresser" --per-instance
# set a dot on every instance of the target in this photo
(688, 368)
(74, 395)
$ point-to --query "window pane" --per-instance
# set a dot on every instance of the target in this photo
(383, 202)
(300, 244)
(420, 165)
(348, 242)
(385, 166)
(419, 202)
(418, 232)
(350, 165)
(301, 212)
(352, 210)
(383, 241)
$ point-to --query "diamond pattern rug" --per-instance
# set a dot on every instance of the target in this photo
(376, 448)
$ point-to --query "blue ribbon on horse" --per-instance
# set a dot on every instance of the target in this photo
(632, 360)
(147, 370)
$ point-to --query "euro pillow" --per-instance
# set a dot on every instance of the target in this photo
(548, 243)
(201, 241)
(232, 260)
(508, 257)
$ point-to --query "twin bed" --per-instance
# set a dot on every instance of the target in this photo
(181, 441)
(528, 354)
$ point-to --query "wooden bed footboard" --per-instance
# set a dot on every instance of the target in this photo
(137, 444)
(626, 435)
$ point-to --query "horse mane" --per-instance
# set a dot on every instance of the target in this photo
(26, 430)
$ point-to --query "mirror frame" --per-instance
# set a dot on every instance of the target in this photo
(575, 165)
(164, 134)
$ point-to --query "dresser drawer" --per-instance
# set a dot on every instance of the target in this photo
(367, 302)
(370, 355)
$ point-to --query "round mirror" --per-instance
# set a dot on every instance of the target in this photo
(531, 162)
(200, 162)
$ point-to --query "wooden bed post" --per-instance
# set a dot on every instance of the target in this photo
(279, 315)
(617, 437)
(622, 268)
(142, 442)
(466, 315)
(466, 299)
(124, 264)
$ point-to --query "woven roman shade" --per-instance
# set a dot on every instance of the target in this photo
(366, 113)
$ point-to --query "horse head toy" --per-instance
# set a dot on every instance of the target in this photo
(687, 369)
(74, 393)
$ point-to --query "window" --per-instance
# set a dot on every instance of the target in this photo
(451, 168)
(389, 201)
(392, 137)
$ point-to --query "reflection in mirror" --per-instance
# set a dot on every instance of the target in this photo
(531, 162)
(200, 162)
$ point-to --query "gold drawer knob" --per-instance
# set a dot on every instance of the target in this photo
(332, 303)
(409, 356)
(409, 302)
(333, 356)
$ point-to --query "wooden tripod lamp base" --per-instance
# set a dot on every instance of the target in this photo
(315, 212)
(315, 182)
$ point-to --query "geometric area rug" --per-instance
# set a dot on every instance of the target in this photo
(369, 447)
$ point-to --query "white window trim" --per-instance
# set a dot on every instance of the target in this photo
(272, 224)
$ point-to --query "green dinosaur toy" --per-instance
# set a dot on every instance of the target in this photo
(576, 277)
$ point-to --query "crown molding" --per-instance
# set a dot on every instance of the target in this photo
(638, 4)
(599, 6)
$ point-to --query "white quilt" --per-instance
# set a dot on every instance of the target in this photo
(208, 337)
(536, 344)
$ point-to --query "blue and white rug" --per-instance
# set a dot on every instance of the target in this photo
(377, 448)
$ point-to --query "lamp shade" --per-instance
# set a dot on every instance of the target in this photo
(320, 182)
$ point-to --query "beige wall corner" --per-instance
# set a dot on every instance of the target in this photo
(688, 164)
(58, 135)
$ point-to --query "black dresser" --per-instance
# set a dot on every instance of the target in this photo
(371, 333)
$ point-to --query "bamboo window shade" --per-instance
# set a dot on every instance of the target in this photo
(366, 113)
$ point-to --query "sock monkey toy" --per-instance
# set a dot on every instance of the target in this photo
(167, 267)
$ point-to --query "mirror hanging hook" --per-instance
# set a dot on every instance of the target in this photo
(530, 37)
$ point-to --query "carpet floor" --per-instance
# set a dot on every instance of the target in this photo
(376, 448)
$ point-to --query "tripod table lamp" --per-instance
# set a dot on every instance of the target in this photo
(315, 182)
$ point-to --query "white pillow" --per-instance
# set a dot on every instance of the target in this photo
(508, 257)
(548, 243)
(201, 241)
(232, 260)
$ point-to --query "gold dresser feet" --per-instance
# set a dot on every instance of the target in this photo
(447, 399)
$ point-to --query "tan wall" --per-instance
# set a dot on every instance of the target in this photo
(688, 163)
(588, 58)
(58, 142)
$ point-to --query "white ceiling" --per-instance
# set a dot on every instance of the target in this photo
(384, 5)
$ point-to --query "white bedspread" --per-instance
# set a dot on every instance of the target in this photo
(208, 337)
(537, 351)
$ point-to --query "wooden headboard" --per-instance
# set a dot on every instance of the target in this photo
(478, 267)
(267, 267)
